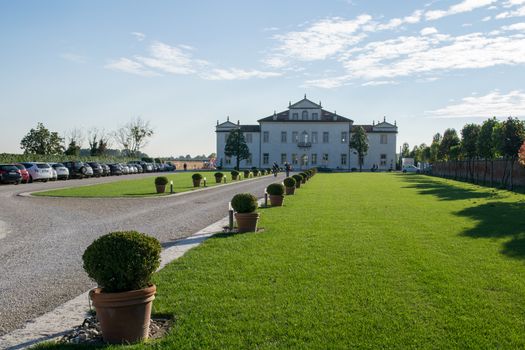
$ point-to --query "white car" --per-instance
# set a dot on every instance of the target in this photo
(62, 171)
(39, 171)
(411, 169)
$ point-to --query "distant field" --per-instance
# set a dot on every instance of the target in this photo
(142, 187)
(357, 261)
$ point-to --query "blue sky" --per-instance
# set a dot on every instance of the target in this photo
(183, 65)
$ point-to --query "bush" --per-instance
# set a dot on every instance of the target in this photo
(304, 176)
(218, 175)
(234, 173)
(122, 261)
(289, 182)
(247, 174)
(161, 181)
(297, 178)
(196, 177)
(275, 189)
(244, 203)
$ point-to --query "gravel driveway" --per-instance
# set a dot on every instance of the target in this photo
(42, 239)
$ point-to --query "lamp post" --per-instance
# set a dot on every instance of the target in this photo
(230, 216)
(204, 180)
(265, 198)
(171, 186)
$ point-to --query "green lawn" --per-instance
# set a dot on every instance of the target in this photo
(145, 186)
(358, 261)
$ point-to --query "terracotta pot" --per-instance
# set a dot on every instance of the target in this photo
(218, 180)
(124, 317)
(247, 222)
(234, 177)
(276, 200)
(290, 190)
(161, 188)
(196, 183)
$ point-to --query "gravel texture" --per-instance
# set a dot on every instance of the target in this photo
(42, 239)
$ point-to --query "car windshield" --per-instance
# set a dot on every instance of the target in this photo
(42, 166)
(8, 168)
(58, 165)
(20, 166)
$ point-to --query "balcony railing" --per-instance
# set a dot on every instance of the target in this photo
(304, 144)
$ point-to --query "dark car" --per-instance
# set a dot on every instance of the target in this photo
(106, 171)
(97, 169)
(115, 169)
(10, 174)
(78, 169)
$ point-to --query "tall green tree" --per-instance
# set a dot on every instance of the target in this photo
(359, 143)
(434, 147)
(512, 135)
(469, 146)
(236, 147)
(450, 139)
(72, 149)
(487, 146)
(42, 141)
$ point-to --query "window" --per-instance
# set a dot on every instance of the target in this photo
(266, 158)
(304, 115)
(295, 137)
(325, 158)
(294, 158)
(249, 160)
(266, 137)
(295, 116)
(326, 137)
(304, 137)
(384, 139)
(343, 159)
(283, 136)
(314, 158)
(314, 136)
(228, 160)
(344, 137)
(283, 158)
(248, 138)
(383, 159)
(315, 116)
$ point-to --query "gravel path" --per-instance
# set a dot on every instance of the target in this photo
(42, 239)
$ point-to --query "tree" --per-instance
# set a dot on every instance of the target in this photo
(487, 146)
(469, 143)
(434, 147)
(236, 147)
(72, 149)
(42, 141)
(512, 135)
(450, 139)
(133, 136)
(359, 143)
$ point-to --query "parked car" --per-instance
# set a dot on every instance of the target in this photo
(38, 171)
(23, 172)
(54, 175)
(97, 169)
(62, 172)
(78, 169)
(115, 169)
(9, 173)
(139, 168)
(125, 169)
(106, 171)
(411, 169)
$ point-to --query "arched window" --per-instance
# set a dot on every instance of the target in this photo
(305, 115)
(304, 137)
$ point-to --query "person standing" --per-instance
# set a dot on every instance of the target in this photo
(185, 166)
(287, 168)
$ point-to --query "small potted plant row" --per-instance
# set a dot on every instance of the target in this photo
(276, 194)
(289, 185)
(246, 216)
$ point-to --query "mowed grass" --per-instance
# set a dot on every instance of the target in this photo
(358, 261)
(145, 186)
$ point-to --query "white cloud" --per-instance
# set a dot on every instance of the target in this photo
(492, 104)
(428, 31)
(139, 36)
(129, 66)
(237, 74)
(380, 82)
(486, 19)
(520, 12)
(171, 59)
(464, 6)
(515, 26)
(327, 83)
(415, 17)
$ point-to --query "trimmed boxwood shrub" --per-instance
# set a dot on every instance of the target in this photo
(196, 177)
(218, 175)
(305, 177)
(161, 181)
(244, 203)
(234, 173)
(289, 182)
(297, 178)
(246, 174)
(122, 261)
(275, 189)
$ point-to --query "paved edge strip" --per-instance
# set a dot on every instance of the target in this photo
(62, 319)
(176, 194)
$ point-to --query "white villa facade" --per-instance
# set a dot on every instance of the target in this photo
(306, 135)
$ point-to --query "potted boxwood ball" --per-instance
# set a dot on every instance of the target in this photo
(218, 177)
(289, 184)
(276, 192)
(246, 174)
(304, 176)
(160, 183)
(235, 174)
(298, 180)
(122, 264)
(245, 206)
(196, 179)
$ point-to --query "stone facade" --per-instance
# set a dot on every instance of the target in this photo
(306, 135)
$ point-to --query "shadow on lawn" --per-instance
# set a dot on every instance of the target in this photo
(444, 191)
